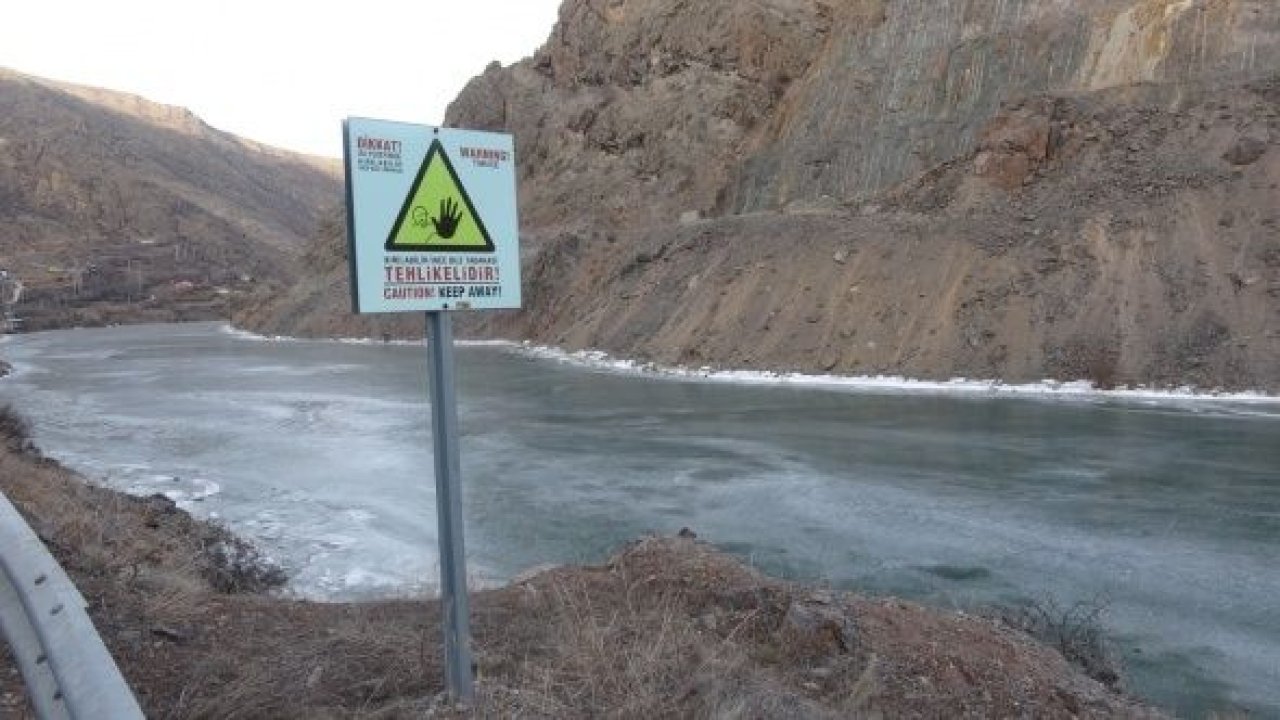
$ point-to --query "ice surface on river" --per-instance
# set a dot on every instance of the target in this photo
(961, 494)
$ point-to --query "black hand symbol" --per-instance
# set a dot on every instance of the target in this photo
(450, 216)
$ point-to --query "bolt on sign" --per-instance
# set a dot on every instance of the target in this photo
(432, 218)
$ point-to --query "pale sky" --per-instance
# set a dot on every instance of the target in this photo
(282, 72)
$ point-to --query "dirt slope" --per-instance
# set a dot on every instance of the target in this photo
(108, 200)
(1012, 189)
(1131, 248)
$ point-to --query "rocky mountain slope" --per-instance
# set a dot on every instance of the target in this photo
(115, 208)
(1012, 189)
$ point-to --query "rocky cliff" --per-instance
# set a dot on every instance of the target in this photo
(1015, 189)
(116, 208)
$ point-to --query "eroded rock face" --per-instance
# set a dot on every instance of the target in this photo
(730, 107)
(888, 100)
(635, 111)
(1013, 189)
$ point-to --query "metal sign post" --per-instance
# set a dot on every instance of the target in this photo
(431, 226)
(453, 568)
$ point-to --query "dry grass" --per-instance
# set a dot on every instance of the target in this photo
(602, 660)
(622, 644)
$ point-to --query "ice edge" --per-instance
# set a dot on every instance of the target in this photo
(600, 360)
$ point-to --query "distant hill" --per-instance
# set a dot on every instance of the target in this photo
(114, 208)
(1007, 189)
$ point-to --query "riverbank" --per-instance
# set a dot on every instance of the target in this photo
(875, 384)
(668, 626)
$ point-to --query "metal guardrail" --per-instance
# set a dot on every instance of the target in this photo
(67, 670)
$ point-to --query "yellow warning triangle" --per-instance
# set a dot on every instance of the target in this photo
(438, 216)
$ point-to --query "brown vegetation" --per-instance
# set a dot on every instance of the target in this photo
(116, 209)
(668, 627)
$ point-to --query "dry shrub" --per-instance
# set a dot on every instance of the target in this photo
(232, 565)
(1075, 630)
(15, 430)
(1094, 357)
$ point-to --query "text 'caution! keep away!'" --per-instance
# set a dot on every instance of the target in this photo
(432, 221)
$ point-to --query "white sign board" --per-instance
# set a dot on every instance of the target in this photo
(431, 218)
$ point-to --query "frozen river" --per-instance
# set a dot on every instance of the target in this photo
(1168, 511)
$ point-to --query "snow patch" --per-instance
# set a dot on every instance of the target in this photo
(184, 493)
(892, 384)
(247, 335)
(882, 384)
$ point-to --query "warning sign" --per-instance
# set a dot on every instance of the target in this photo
(431, 218)
(438, 215)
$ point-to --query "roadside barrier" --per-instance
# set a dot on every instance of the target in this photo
(67, 670)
